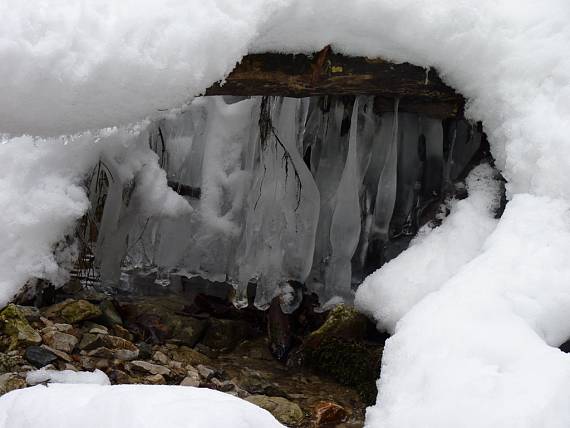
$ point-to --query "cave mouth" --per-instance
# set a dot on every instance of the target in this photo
(305, 174)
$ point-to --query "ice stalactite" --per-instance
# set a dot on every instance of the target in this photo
(282, 209)
(288, 195)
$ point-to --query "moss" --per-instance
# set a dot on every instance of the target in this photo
(349, 363)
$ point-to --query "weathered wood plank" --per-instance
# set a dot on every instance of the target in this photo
(329, 73)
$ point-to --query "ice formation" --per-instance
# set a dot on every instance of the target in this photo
(284, 192)
(477, 349)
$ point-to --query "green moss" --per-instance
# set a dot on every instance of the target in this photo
(349, 363)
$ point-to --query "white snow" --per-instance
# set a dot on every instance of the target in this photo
(128, 406)
(96, 377)
(435, 254)
(475, 353)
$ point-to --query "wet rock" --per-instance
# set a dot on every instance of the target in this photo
(160, 320)
(17, 329)
(79, 310)
(327, 413)
(109, 313)
(254, 382)
(285, 411)
(59, 341)
(343, 322)
(338, 349)
(145, 366)
(225, 335)
(39, 357)
(10, 382)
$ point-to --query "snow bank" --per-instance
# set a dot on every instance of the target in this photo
(474, 353)
(478, 353)
(434, 255)
(128, 406)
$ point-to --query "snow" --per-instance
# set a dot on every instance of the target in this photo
(480, 352)
(128, 406)
(42, 196)
(435, 254)
(96, 377)
(472, 344)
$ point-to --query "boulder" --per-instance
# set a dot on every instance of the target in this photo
(79, 310)
(285, 411)
(16, 327)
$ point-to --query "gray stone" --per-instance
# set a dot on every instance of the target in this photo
(39, 357)
(145, 366)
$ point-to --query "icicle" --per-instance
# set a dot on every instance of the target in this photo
(345, 223)
(282, 209)
(432, 130)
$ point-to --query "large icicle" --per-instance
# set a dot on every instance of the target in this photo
(282, 209)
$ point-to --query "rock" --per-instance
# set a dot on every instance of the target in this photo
(225, 335)
(101, 352)
(205, 373)
(62, 327)
(79, 310)
(31, 313)
(95, 328)
(10, 362)
(193, 379)
(60, 341)
(327, 413)
(337, 349)
(118, 377)
(145, 350)
(121, 348)
(91, 363)
(254, 382)
(39, 357)
(159, 320)
(189, 356)
(60, 354)
(285, 411)
(161, 358)
(145, 366)
(88, 341)
(156, 379)
(343, 322)
(14, 324)
(10, 382)
(109, 313)
(118, 330)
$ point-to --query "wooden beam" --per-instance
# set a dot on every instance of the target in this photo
(329, 73)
